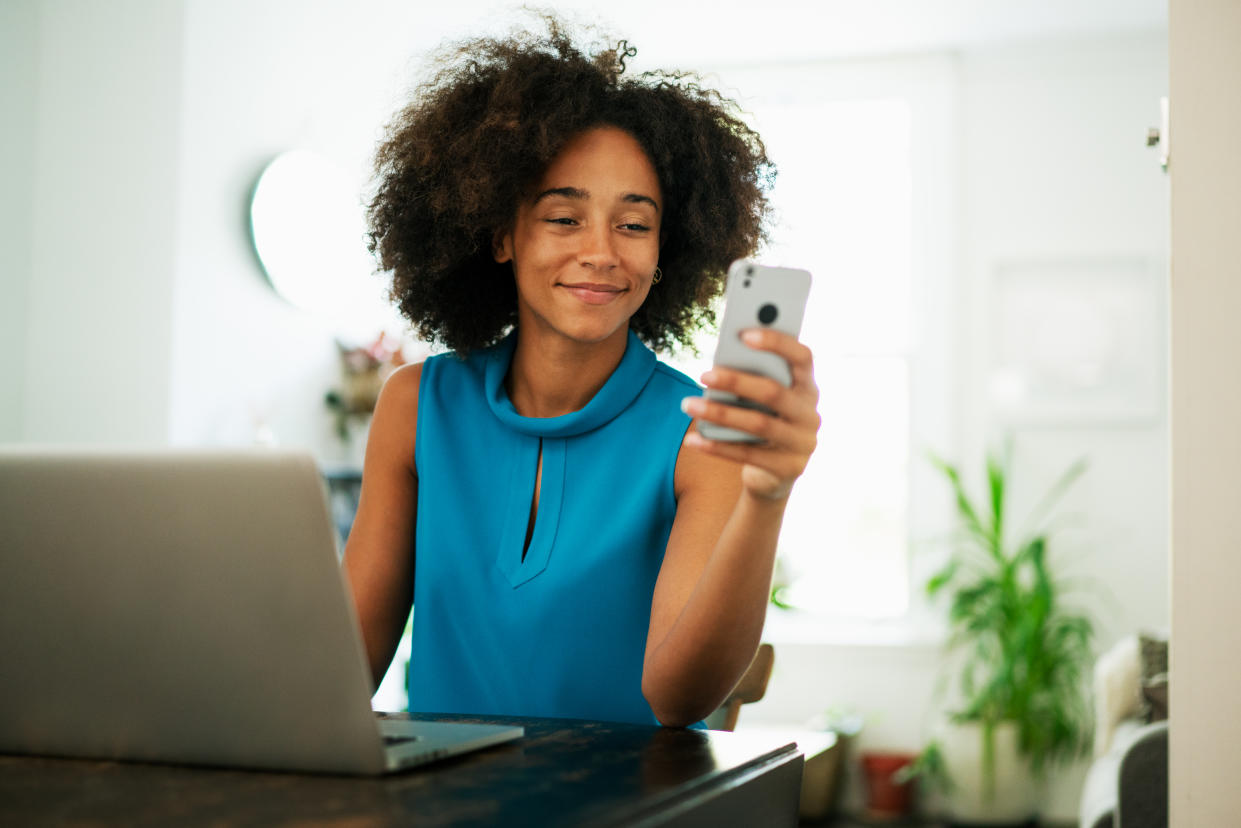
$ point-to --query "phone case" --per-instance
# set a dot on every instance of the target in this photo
(757, 296)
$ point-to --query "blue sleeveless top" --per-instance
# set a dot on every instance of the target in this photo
(562, 632)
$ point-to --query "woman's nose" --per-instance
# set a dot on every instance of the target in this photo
(598, 248)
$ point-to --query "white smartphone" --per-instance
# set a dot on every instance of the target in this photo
(757, 296)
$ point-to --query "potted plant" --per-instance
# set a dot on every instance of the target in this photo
(1022, 654)
(889, 785)
(364, 370)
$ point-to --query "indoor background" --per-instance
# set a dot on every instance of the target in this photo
(134, 310)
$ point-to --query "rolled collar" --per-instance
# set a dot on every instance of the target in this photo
(622, 388)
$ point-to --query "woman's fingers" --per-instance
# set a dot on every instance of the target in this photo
(793, 404)
(799, 357)
(774, 431)
(788, 429)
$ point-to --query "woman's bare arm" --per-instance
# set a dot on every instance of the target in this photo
(711, 597)
(379, 557)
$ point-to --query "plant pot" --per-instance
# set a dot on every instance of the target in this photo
(886, 798)
(1012, 796)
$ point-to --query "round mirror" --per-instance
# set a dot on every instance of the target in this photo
(309, 231)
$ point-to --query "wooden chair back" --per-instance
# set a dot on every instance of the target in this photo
(752, 687)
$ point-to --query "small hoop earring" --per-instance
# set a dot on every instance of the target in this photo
(659, 274)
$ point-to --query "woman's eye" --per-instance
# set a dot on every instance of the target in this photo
(640, 228)
(568, 222)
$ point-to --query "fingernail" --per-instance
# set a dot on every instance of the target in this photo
(708, 377)
(690, 405)
(752, 337)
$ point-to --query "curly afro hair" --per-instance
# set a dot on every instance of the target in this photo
(479, 135)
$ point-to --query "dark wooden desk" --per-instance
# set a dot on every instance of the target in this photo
(562, 773)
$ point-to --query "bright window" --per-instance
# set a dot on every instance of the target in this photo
(862, 154)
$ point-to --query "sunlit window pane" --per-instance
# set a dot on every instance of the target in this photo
(843, 207)
(843, 211)
(845, 539)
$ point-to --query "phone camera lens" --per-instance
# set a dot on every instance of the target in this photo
(746, 283)
(767, 314)
(749, 271)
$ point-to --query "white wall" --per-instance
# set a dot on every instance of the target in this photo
(18, 60)
(102, 224)
(139, 312)
(319, 75)
(1206, 408)
(1056, 170)
(1053, 167)
(242, 356)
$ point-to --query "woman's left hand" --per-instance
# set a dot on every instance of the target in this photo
(789, 435)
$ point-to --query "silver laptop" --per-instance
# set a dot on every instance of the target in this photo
(188, 607)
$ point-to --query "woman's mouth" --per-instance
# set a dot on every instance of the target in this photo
(594, 294)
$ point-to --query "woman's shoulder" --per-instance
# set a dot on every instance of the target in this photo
(435, 376)
(399, 394)
(394, 425)
(404, 381)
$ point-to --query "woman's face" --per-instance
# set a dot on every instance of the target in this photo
(585, 245)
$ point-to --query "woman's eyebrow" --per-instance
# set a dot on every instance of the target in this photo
(638, 198)
(578, 194)
(568, 192)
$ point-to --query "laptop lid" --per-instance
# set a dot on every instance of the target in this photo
(178, 606)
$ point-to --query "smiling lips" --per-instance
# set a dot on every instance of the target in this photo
(594, 294)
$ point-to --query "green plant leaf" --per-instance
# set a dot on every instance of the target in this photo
(942, 578)
(995, 487)
(777, 597)
(1039, 513)
(1024, 655)
(965, 509)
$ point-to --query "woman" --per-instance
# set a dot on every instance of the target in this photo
(573, 547)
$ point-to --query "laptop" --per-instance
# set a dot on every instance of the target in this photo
(188, 607)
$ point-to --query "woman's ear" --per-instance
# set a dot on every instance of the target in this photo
(502, 246)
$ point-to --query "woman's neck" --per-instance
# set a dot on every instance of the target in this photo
(551, 375)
